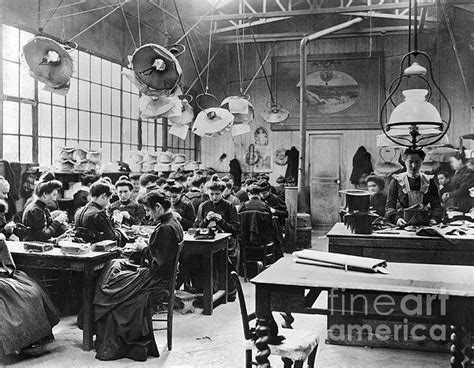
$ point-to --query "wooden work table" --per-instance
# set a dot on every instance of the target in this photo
(395, 246)
(56, 260)
(207, 248)
(403, 246)
(291, 287)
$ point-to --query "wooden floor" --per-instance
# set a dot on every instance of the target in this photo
(217, 341)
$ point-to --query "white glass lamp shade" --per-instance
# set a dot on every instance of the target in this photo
(415, 111)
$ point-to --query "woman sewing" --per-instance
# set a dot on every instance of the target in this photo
(125, 294)
(413, 190)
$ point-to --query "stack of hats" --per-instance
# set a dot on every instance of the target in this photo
(66, 159)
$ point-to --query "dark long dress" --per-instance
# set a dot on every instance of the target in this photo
(122, 311)
(27, 314)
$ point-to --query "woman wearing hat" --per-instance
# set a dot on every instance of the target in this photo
(126, 210)
(412, 188)
(181, 206)
(378, 197)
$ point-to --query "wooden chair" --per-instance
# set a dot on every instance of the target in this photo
(262, 255)
(298, 345)
(169, 303)
(258, 254)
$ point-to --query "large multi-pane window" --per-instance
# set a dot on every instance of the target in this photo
(18, 98)
(100, 111)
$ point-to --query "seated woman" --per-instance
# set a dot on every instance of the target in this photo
(36, 216)
(378, 197)
(6, 228)
(126, 210)
(27, 314)
(81, 197)
(462, 180)
(181, 206)
(122, 310)
(412, 188)
(91, 221)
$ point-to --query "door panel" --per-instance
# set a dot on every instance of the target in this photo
(324, 164)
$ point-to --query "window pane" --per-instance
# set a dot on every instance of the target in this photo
(134, 130)
(84, 65)
(134, 107)
(24, 38)
(27, 84)
(10, 117)
(126, 131)
(55, 149)
(106, 99)
(106, 147)
(10, 147)
(95, 127)
(106, 72)
(95, 69)
(85, 145)
(95, 145)
(72, 94)
(84, 127)
(158, 132)
(71, 143)
(26, 113)
(95, 97)
(126, 105)
(125, 83)
(11, 43)
(44, 151)
(58, 99)
(10, 78)
(72, 127)
(115, 129)
(44, 120)
(44, 96)
(115, 102)
(26, 153)
(106, 128)
(59, 121)
(116, 75)
(115, 152)
(84, 95)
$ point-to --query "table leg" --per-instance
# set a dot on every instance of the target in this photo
(266, 326)
(223, 273)
(88, 308)
(208, 263)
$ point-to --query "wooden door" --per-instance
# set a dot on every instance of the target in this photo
(325, 177)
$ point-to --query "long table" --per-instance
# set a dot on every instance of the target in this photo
(395, 246)
(55, 260)
(290, 287)
(207, 248)
(403, 246)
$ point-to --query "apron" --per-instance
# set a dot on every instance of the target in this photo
(415, 216)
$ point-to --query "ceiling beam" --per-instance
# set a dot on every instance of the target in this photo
(387, 16)
(249, 24)
(276, 14)
(296, 36)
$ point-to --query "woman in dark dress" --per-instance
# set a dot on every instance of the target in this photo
(122, 300)
(411, 188)
(378, 197)
(461, 182)
(27, 314)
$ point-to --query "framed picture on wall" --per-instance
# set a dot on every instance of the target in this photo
(344, 90)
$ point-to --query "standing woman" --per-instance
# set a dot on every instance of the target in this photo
(412, 188)
(462, 180)
(123, 297)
